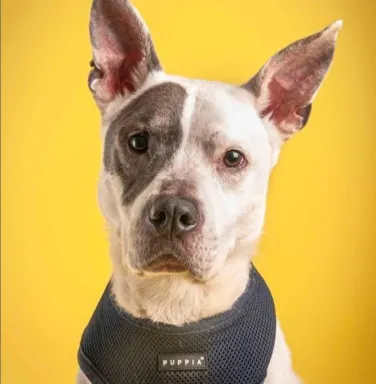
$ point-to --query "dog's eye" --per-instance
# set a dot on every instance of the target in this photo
(139, 142)
(233, 159)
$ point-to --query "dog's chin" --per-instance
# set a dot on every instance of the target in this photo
(165, 264)
(168, 264)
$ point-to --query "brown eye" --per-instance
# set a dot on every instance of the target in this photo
(139, 142)
(233, 159)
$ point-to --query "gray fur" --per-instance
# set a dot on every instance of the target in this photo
(156, 111)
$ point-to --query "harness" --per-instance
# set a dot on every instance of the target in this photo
(233, 347)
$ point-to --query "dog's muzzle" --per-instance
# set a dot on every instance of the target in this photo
(167, 237)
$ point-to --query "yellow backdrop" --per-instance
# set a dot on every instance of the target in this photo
(319, 248)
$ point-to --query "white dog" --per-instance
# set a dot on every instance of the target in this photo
(186, 165)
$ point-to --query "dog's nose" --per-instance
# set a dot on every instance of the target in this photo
(173, 215)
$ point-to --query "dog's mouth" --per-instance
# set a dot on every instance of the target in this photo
(165, 263)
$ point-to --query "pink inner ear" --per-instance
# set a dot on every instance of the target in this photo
(292, 78)
(117, 64)
(290, 90)
(131, 61)
(119, 77)
(121, 43)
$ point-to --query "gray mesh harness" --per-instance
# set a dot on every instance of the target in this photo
(233, 347)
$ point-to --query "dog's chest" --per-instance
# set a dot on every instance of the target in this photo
(234, 347)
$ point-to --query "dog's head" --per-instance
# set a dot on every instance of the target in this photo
(186, 163)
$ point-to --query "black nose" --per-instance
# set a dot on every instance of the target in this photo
(173, 215)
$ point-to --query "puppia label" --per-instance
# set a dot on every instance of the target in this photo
(182, 362)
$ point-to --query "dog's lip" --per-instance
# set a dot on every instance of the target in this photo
(166, 263)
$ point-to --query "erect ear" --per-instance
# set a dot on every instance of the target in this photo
(287, 84)
(123, 53)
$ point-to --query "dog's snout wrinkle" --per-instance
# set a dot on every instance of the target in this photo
(173, 216)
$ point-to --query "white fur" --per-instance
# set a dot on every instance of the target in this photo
(280, 369)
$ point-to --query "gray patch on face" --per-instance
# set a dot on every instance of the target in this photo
(158, 113)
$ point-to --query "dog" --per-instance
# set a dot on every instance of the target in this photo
(184, 180)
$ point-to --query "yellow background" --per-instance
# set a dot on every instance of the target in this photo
(319, 248)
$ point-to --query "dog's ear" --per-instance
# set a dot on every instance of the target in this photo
(123, 53)
(287, 84)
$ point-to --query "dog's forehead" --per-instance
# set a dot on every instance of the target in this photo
(204, 109)
(224, 112)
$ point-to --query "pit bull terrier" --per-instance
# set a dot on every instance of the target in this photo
(183, 188)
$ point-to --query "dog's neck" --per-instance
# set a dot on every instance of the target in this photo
(178, 299)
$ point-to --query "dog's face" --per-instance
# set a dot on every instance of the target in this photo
(188, 177)
(186, 163)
